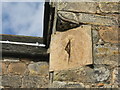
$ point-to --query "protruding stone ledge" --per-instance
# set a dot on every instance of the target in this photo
(24, 51)
(84, 18)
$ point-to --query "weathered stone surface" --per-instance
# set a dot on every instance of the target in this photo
(116, 16)
(96, 74)
(11, 81)
(89, 7)
(87, 18)
(106, 54)
(40, 68)
(106, 49)
(115, 76)
(67, 50)
(4, 68)
(59, 84)
(83, 74)
(95, 36)
(109, 7)
(34, 82)
(109, 34)
(68, 16)
(67, 75)
(96, 19)
(102, 73)
(81, 86)
(17, 68)
(74, 85)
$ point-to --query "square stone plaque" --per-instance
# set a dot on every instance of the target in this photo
(71, 49)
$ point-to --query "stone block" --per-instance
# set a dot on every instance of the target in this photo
(40, 68)
(97, 19)
(95, 36)
(106, 54)
(88, 18)
(68, 16)
(17, 68)
(66, 49)
(11, 81)
(115, 76)
(75, 75)
(89, 7)
(109, 7)
(34, 82)
(59, 84)
(102, 73)
(3, 68)
(86, 74)
(109, 34)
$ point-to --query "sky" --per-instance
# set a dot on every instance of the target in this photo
(23, 18)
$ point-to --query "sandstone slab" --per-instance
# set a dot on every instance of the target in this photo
(90, 7)
(110, 34)
(34, 82)
(87, 18)
(97, 19)
(85, 74)
(59, 84)
(68, 16)
(67, 50)
(40, 68)
(106, 54)
(17, 68)
(4, 68)
(11, 81)
(109, 7)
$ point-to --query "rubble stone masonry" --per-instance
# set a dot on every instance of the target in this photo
(84, 51)
(23, 73)
(85, 71)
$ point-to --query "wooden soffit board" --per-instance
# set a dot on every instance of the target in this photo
(71, 49)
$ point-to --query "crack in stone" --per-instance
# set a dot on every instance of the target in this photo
(68, 50)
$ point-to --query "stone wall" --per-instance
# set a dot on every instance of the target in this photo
(102, 18)
(84, 51)
(23, 73)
